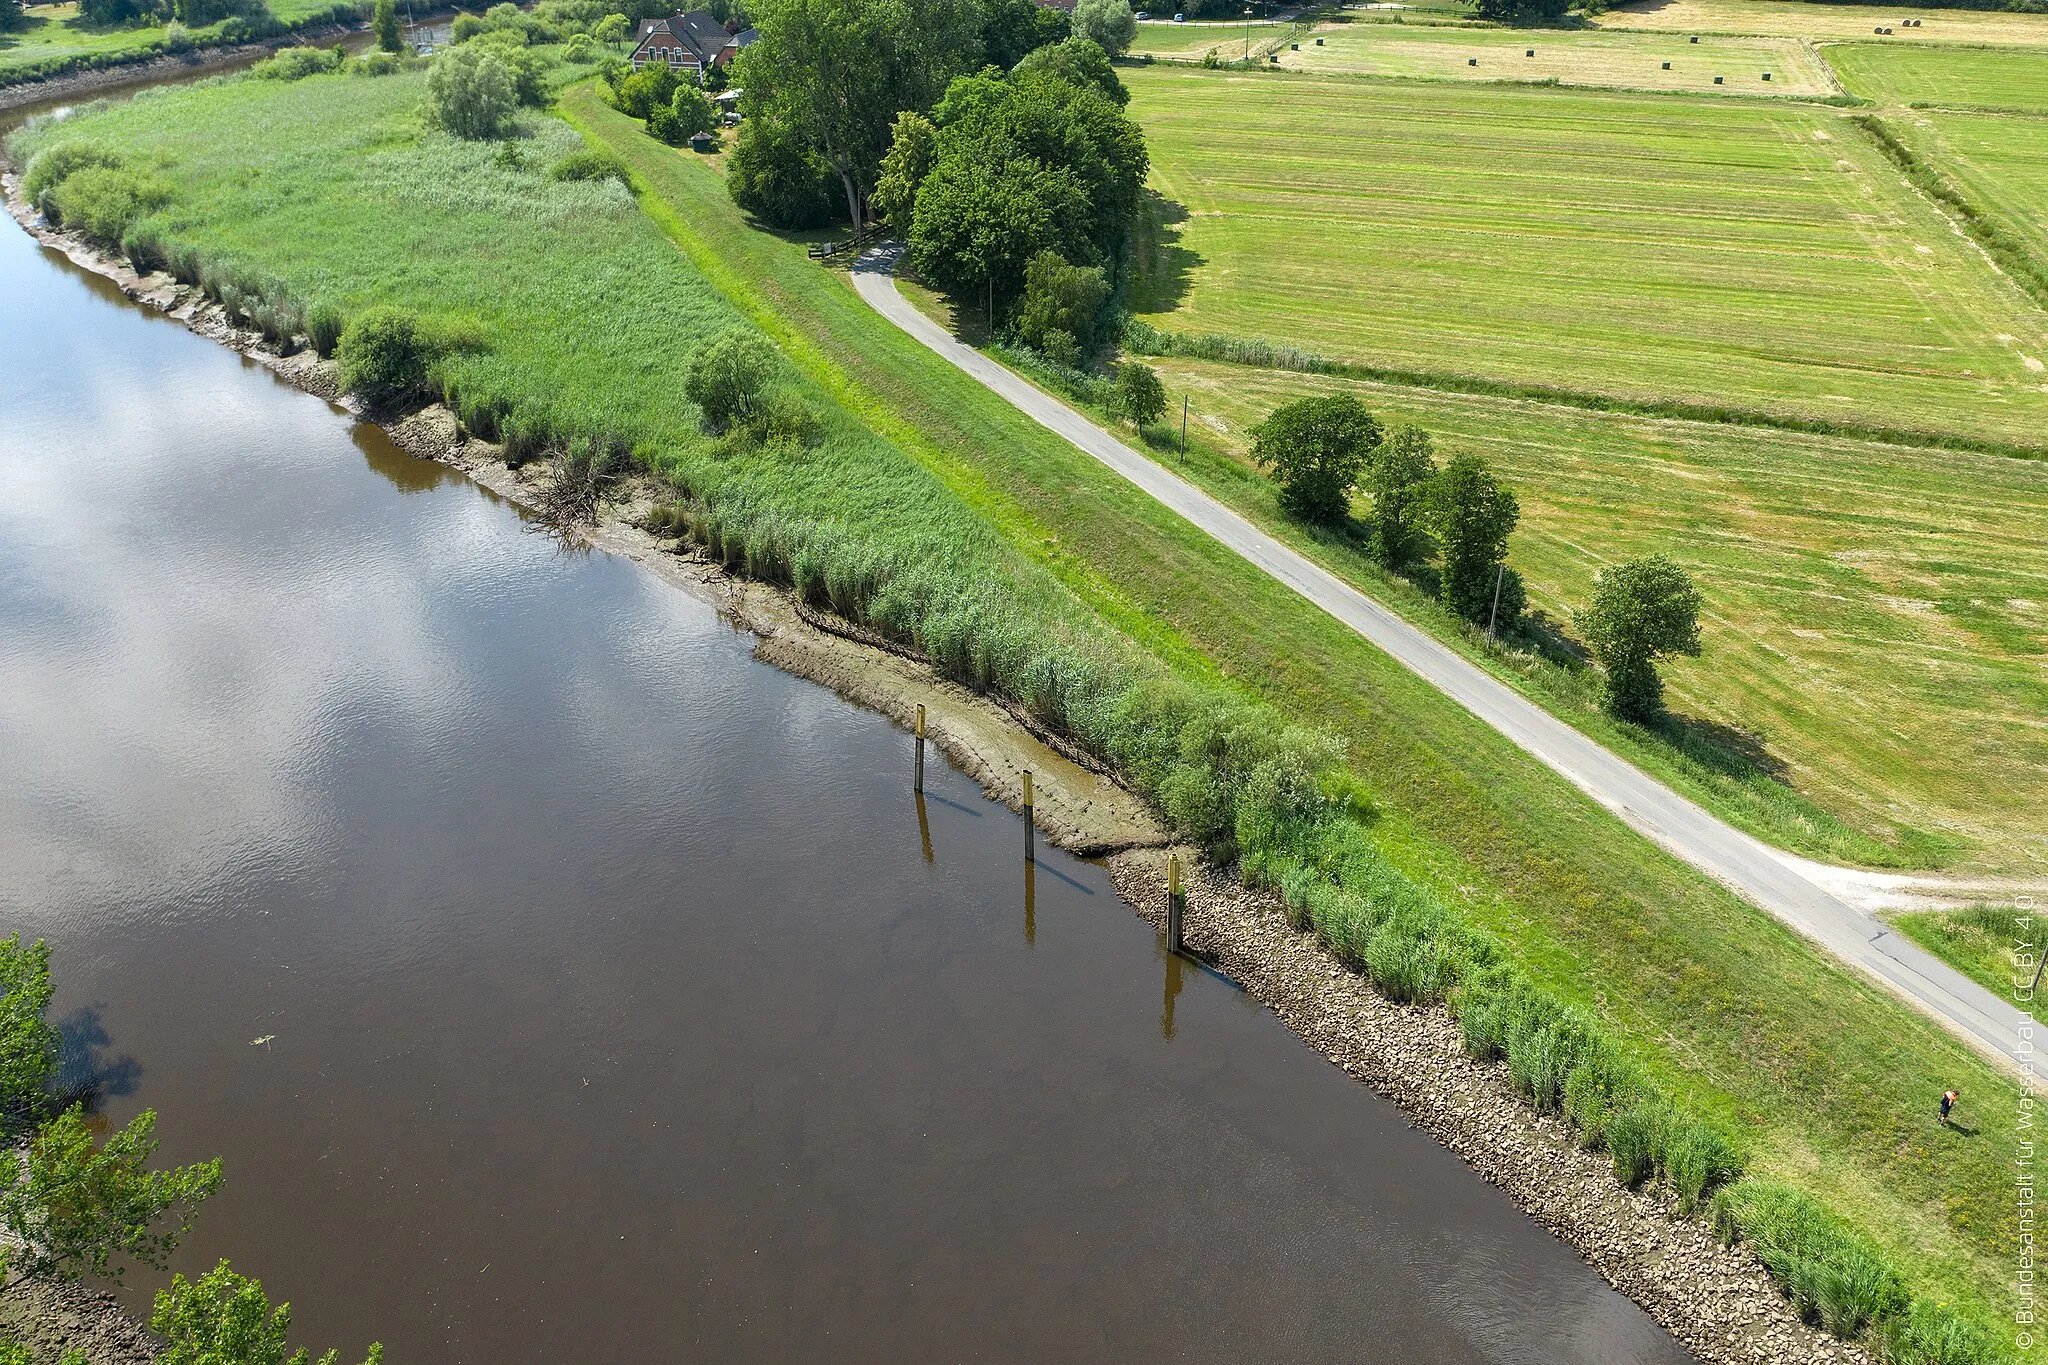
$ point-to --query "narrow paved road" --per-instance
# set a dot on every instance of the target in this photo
(1749, 867)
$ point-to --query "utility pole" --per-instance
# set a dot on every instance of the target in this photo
(1183, 428)
(1247, 32)
(1500, 573)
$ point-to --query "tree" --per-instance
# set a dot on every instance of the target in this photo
(1396, 476)
(1012, 28)
(1022, 165)
(1472, 516)
(1316, 447)
(644, 91)
(470, 92)
(1079, 62)
(726, 377)
(693, 112)
(912, 145)
(1109, 24)
(29, 1047)
(11, 15)
(833, 74)
(1522, 11)
(612, 30)
(223, 1318)
(774, 176)
(73, 1208)
(385, 23)
(1138, 394)
(1060, 300)
(1642, 610)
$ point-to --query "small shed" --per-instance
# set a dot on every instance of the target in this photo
(703, 142)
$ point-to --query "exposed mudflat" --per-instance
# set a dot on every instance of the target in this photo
(1716, 1300)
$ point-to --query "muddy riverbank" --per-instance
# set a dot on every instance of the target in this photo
(1715, 1300)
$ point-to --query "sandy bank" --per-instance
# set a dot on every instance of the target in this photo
(1718, 1301)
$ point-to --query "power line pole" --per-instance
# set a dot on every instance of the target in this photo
(1499, 574)
(1183, 428)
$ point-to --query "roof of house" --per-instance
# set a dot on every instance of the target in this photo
(702, 36)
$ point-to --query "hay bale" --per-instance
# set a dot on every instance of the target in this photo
(1319, 42)
(1471, 61)
(1717, 80)
(1667, 66)
(1695, 38)
(1530, 53)
(1767, 75)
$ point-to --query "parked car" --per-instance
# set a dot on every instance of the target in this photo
(1180, 18)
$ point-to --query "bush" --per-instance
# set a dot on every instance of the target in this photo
(1835, 1277)
(470, 92)
(782, 421)
(693, 112)
(297, 63)
(1138, 394)
(384, 357)
(591, 164)
(1697, 1158)
(324, 325)
(773, 176)
(377, 64)
(1060, 298)
(664, 126)
(143, 245)
(102, 201)
(1632, 1139)
(726, 377)
(52, 167)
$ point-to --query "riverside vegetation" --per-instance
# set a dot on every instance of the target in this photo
(550, 312)
(73, 1208)
(46, 41)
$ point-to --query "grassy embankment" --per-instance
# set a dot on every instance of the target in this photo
(1753, 255)
(1999, 947)
(56, 41)
(590, 312)
(1583, 57)
(1998, 161)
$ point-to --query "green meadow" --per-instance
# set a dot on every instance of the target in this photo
(1999, 160)
(1875, 630)
(1806, 19)
(590, 303)
(1586, 57)
(55, 39)
(1751, 254)
(1998, 946)
(1945, 76)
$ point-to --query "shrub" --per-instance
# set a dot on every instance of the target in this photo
(781, 420)
(470, 92)
(591, 164)
(384, 357)
(1632, 1139)
(297, 63)
(726, 377)
(102, 201)
(664, 126)
(773, 176)
(1697, 1158)
(377, 64)
(324, 324)
(1932, 1334)
(1060, 298)
(53, 166)
(143, 245)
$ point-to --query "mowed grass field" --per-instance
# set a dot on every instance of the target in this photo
(1807, 19)
(1194, 40)
(1999, 160)
(1993, 77)
(1877, 617)
(1583, 57)
(1997, 946)
(1751, 254)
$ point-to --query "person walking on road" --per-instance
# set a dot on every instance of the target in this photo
(1948, 1102)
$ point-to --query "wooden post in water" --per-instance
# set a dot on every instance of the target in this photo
(1030, 842)
(1176, 903)
(917, 775)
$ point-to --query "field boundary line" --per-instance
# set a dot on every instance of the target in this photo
(1759, 874)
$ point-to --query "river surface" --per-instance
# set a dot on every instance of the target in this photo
(562, 985)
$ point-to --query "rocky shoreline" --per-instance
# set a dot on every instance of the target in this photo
(1718, 1301)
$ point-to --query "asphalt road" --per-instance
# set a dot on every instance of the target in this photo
(1740, 862)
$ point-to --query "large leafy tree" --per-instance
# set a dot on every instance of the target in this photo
(1317, 447)
(831, 75)
(1472, 515)
(1012, 28)
(1079, 62)
(1020, 166)
(1399, 472)
(1641, 611)
(1109, 24)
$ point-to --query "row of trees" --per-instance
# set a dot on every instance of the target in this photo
(1321, 449)
(72, 1207)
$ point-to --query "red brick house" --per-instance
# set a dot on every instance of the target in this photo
(689, 42)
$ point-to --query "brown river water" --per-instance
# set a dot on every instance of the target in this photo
(560, 984)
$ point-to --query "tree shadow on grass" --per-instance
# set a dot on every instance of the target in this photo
(1161, 268)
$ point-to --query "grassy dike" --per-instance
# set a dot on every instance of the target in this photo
(931, 508)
